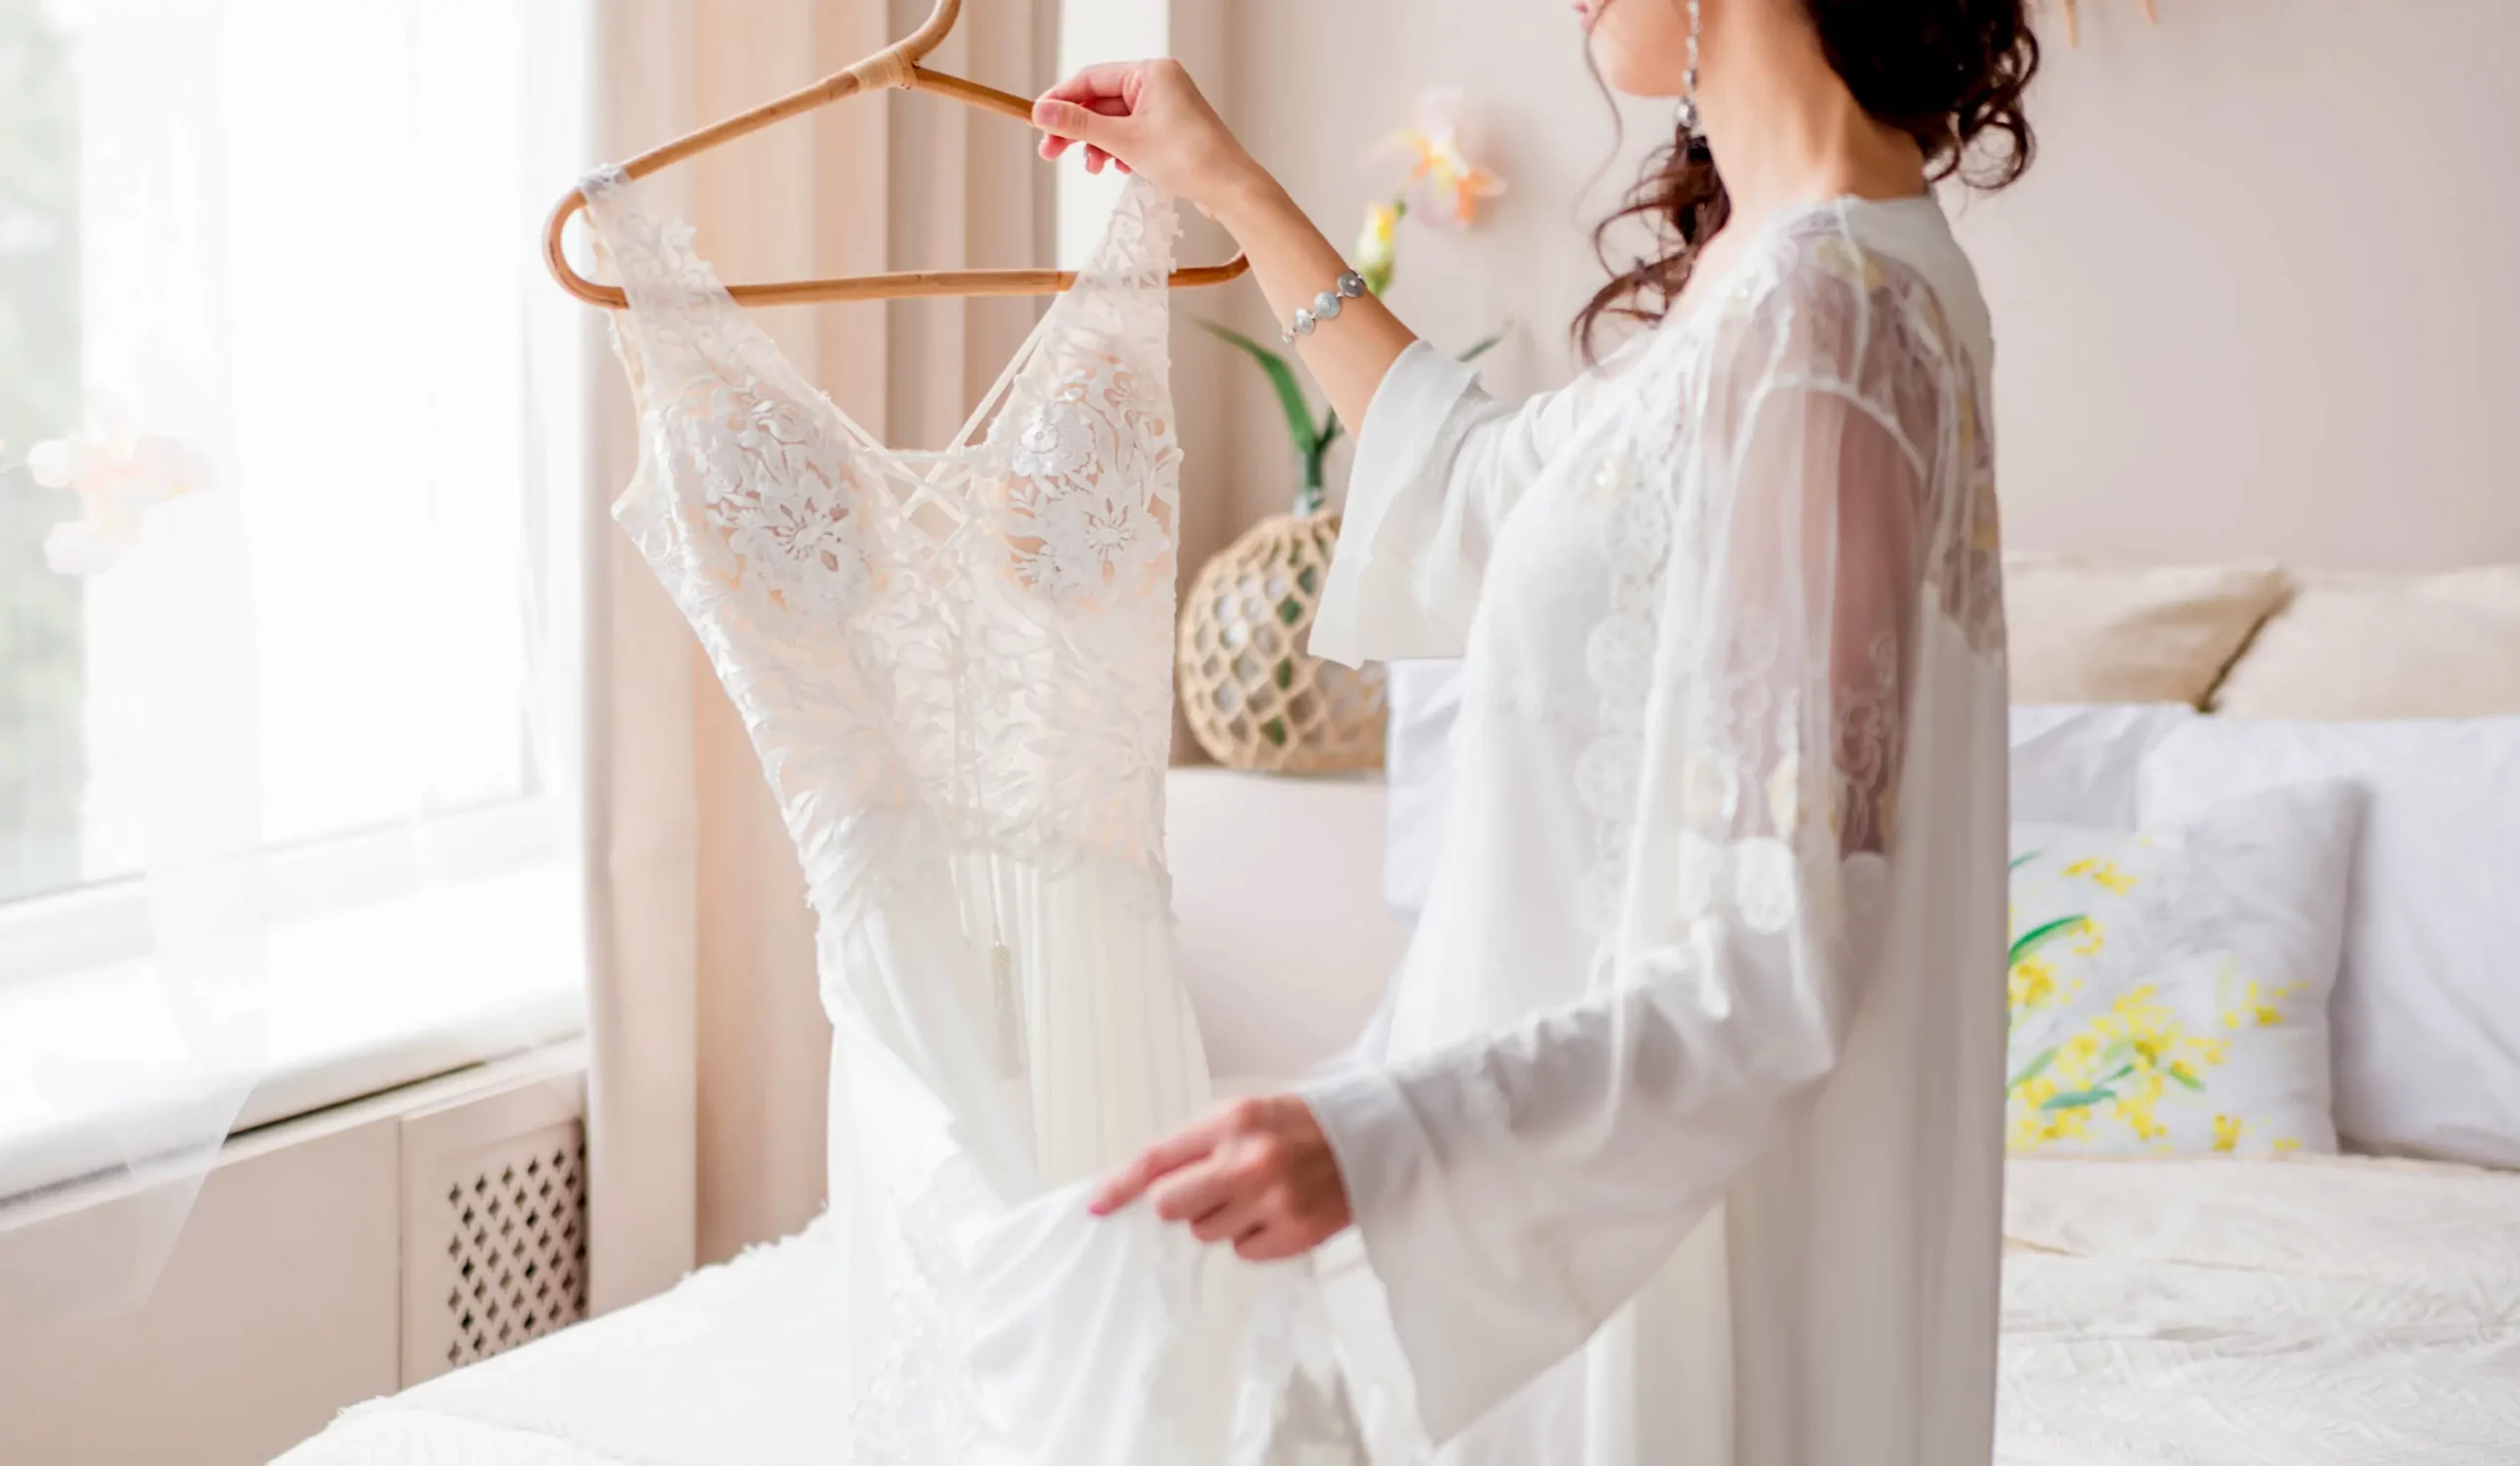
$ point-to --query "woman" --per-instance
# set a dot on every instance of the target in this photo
(1680, 1137)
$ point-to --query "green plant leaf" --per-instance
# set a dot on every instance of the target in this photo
(2040, 936)
(1282, 376)
(2034, 1069)
(2180, 1074)
(1309, 495)
(2081, 1098)
(1483, 347)
(2020, 861)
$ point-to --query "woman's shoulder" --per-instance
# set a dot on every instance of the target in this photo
(1891, 268)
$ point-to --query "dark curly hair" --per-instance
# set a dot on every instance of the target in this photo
(1948, 72)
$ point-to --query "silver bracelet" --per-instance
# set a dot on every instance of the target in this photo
(1325, 306)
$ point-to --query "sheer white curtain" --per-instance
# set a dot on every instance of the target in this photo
(308, 573)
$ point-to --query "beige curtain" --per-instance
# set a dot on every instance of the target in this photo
(705, 1110)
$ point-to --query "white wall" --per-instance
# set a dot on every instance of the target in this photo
(1313, 86)
(2258, 297)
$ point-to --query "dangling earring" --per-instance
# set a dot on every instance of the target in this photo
(1690, 122)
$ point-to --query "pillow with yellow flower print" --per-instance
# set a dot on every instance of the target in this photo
(2170, 985)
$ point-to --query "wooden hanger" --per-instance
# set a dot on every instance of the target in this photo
(894, 66)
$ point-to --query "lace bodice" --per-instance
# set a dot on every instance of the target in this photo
(965, 645)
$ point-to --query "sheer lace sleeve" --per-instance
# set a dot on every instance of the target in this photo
(1514, 1192)
(1439, 464)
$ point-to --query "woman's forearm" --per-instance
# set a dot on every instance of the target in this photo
(1147, 116)
(1293, 264)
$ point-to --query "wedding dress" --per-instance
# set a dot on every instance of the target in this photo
(1678, 1136)
(956, 669)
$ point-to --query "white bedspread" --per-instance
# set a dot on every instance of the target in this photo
(733, 1368)
(2300, 1312)
(2252, 1314)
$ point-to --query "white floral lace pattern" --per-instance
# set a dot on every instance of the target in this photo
(833, 580)
(1832, 333)
(1619, 656)
(784, 500)
(1076, 511)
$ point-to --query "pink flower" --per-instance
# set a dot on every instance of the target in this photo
(1450, 185)
(119, 475)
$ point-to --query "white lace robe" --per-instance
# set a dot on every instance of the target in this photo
(1679, 1139)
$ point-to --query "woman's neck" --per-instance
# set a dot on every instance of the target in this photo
(1784, 128)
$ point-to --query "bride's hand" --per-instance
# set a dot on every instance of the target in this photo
(1258, 1174)
(1147, 117)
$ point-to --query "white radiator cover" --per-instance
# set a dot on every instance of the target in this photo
(494, 1222)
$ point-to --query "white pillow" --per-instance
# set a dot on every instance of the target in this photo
(2395, 647)
(1424, 701)
(2084, 765)
(2087, 632)
(2170, 985)
(2427, 1002)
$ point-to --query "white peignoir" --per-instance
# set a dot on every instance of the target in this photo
(1678, 1138)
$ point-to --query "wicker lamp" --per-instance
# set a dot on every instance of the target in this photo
(1254, 699)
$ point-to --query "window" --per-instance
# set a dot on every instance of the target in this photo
(40, 641)
(286, 732)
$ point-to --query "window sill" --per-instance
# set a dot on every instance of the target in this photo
(353, 1001)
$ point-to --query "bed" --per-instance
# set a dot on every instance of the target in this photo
(2310, 1311)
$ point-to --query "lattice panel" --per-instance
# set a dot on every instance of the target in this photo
(517, 1250)
(1252, 697)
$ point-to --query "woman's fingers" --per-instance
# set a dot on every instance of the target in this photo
(1095, 108)
(1054, 146)
(1071, 120)
(1224, 1197)
(1197, 1190)
(1229, 1224)
(1108, 80)
(1155, 1162)
(1069, 124)
(1277, 1240)
(1146, 118)
(1258, 1174)
(1081, 117)
(1131, 1180)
